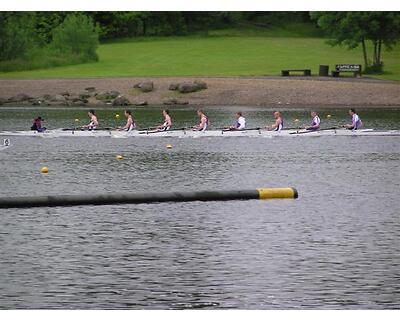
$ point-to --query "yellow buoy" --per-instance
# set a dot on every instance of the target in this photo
(328, 116)
(296, 120)
(44, 170)
(119, 157)
(117, 116)
(76, 120)
(169, 146)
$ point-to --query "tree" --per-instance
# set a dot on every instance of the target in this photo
(45, 23)
(77, 35)
(356, 28)
(17, 34)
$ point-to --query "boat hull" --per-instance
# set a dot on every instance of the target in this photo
(58, 133)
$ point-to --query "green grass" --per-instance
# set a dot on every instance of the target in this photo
(221, 53)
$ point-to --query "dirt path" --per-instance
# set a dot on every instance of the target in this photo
(268, 91)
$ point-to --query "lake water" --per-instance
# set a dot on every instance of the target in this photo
(336, 247)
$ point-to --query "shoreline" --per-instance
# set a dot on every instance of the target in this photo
(287, 92)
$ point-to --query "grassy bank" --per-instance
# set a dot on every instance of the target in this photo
(221, 53)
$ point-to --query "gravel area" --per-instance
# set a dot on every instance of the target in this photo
(268, 91)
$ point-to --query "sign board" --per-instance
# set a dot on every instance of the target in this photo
(348, 67)
(6, 142)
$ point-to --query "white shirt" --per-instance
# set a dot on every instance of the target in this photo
(316, 121)
(241, 123)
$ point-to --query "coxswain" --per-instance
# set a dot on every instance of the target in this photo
(94, 123)
(278, 125)
(167, 121)
(204, 122)
(356, 122)
(37, 125)
(240, 123)
(130, 123)
(315, 122)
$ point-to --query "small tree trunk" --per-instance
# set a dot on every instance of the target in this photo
(379, 51)
(144, 26)
(364, 53)
(375, 53)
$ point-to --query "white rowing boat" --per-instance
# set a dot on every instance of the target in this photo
(59, 133)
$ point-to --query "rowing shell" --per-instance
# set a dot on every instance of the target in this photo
(59, 133)
(255, 133)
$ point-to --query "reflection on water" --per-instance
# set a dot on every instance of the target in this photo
(337, 246)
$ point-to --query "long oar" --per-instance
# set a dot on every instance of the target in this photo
(87, 129)
(148, 129)
(150, 132)
(309, 131)
(229, 129)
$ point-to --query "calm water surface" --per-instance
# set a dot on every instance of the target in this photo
(336, 247)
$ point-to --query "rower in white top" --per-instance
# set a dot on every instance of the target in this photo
(94, 123)
(204, 122)
(240, 123)
(356, 122)
(315, 122)
(130, 123)
(278, 125)
(167, 121)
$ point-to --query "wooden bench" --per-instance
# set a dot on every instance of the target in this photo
(286, 73)
(352, 68)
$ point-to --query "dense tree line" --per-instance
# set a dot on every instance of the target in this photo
(31, 40)
(45, 39)
(130, 24)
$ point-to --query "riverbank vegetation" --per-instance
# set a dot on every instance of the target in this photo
(188, 44)
(24, 46)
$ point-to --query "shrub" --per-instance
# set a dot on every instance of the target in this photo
(374, 69)
(40, 59)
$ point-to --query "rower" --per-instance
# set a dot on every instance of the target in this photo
(93, 124)
(240, 123)
(315, 122)
(204, 122)
(167, 121)
(37, 125)
(130, 123)
(356, 122)
(278, 125)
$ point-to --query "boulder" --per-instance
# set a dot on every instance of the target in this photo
(141, 103)
(107, 95)
(173, 86)
(121, 101)
(187, 87)
(47, 97)
(57, 98)
(174, 101)
(78, 103)
(55, 103)
(90, 89)
(73, 98)
(84, 95)
(200, 84)
(21, 97)
(37, 102)
(146, 86)
(65, 93)
(2, 101)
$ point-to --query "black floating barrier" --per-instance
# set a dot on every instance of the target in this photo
(150, 197)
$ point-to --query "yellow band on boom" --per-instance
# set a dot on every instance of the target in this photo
(277, 193)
